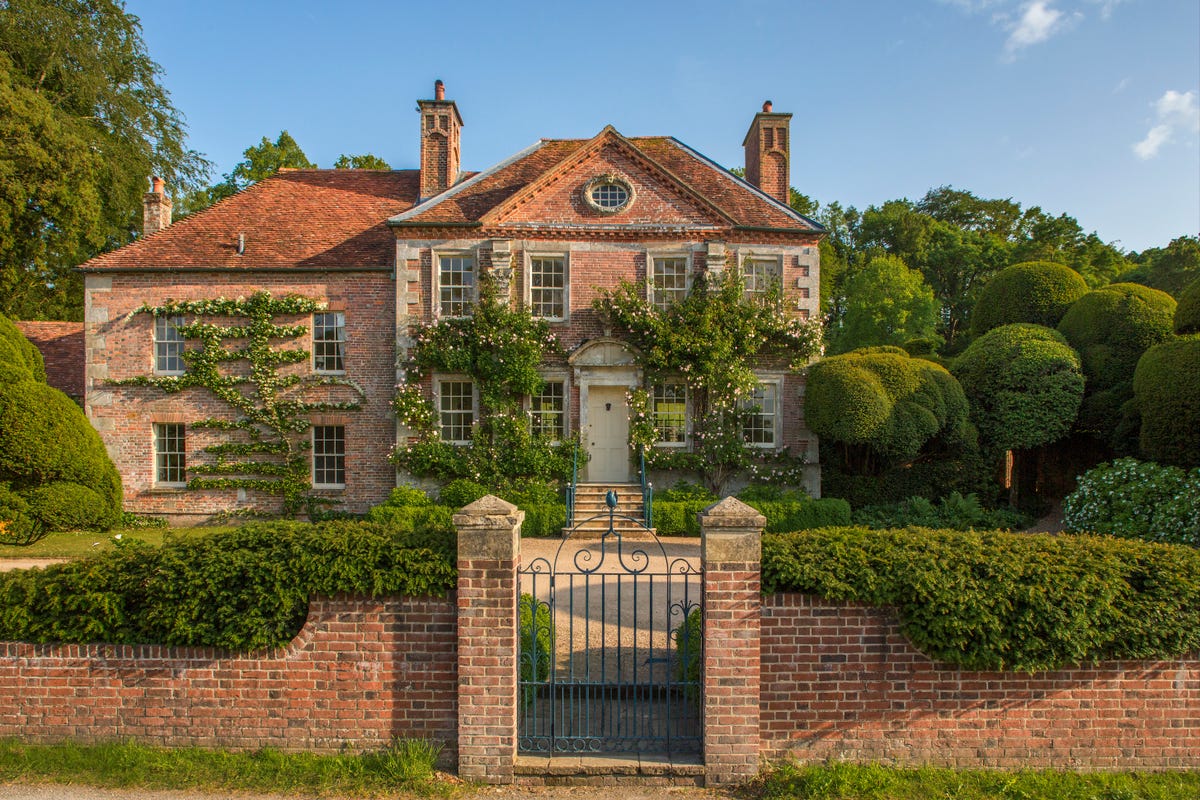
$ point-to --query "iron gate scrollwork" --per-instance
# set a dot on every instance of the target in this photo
(610, 645)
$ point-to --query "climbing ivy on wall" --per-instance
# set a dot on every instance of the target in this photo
(241, 351)
(500, 349)
(712, 341)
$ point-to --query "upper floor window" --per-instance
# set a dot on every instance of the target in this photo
(758, 429)
(669, 411)
(456, 282)
(168, 346)
(548, 287)
(170, 454)
(548, 411)
(329, 342)
(668, 281)
(760, 275)
(456, 408)
(329, 455)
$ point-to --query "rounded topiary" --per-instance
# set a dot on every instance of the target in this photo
(1024, 384)
(45, 438)
(1166, 387)
(1187, 312)
(70, 507)
(18, 353)
(1039, 292)
(1110, 328)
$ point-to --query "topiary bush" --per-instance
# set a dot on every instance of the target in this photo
(18, 356)
(407, 497)
(1037, 292)
(64, 506)
(1166, 387)
(247, 589)
(1110, 328)
(683, 491)
(17, 526)
(461, 492)
(995, 600)
(955, 511)
(1187, 312)
(1136, 500)
(45, 438)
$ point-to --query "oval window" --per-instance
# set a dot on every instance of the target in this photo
(608, 193)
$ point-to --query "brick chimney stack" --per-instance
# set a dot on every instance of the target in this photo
(440, 127)
(156, 207)
(767, 153)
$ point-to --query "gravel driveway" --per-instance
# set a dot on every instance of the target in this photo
(58, 792)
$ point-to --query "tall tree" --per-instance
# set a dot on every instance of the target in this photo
(886, 304)
(84, 121)
(1169, 269)
(364, 161)
(258, 162)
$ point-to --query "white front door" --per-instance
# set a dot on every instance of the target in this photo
(607, 434)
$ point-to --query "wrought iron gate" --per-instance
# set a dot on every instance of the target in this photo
(610, 636)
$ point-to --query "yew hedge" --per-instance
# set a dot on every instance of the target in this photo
(1004, 601)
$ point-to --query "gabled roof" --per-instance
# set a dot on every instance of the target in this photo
(61, 346)
(485, 198)
(297, 219)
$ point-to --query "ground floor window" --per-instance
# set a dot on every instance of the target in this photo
(668, 405)
(170, 454)
(759, 427)
(329, 455)
(456, 408)
(548, 411)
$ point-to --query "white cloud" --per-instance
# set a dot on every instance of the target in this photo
(1107, 6)
(1177, 111)
(1038, 22)
(1122, 85)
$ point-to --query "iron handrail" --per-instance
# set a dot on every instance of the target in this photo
(647, 489)
(572, 485)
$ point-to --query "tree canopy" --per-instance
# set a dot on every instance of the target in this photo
(1169, 269)
(1167, 387)
(85, 121)
(258, 162)
(1039, 292)
(364, 161)
(886, 304)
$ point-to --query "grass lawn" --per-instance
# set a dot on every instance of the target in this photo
(79, 544)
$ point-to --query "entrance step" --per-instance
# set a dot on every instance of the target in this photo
(604, 769)
(591, 511)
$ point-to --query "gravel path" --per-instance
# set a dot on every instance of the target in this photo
(63, 792)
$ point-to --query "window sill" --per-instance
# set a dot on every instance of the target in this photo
(168, 488)
(331, 488)
(332, 373)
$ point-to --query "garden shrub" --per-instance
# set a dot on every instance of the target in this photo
(770, 493)
(243, 590)
(19, 354)
(537, 638)
(955, 511)
(407, 496)
(681, 518)
(64, 506)
(931, 478)
(45, 438)
(544, 520)
(1137, 500)
(17, 525)
(408, 519)
(688, 637)
(461, 492)
(1187, 312)
(684, 491)
(1166, 387)
(1037, 292)
(678, 518)
(992, 600)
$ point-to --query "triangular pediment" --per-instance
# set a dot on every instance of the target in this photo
(562, 195)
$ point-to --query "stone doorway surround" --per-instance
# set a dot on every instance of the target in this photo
(609, 363)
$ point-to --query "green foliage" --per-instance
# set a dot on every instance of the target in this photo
(680, 517)
(885, 407)
(932, 479)
(70, 507)
(1111, 327)
(1038, 292)
(886, 304)
(130, 520)
(1024, 385)
(954, 512)
(45, 438)
(247, 589)
(364, 161)
(712, 341)
(1166, 386)
(84, 119)
(270, 411)
(17, 525)
(537, 638)
(1187, 313)
(258, 163)
(683, 491)
(410, 519)
(1004, 601)
(19, 353)
(544, 519)
(688, 637)
(1169, 269)
(460, 492)
(1137, 500)
(771, 493)
(408, 496)
(677, 517)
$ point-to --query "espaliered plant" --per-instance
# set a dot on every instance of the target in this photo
(269, 413)
(712, 341)
(500, 349)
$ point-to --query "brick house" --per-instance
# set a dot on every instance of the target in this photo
(386, 250)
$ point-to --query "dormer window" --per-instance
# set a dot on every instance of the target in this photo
(608, 194)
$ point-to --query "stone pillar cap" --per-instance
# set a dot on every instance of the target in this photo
(732, 513)
(487, 506)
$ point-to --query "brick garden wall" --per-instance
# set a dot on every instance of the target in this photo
(359, 673)
(840, 681)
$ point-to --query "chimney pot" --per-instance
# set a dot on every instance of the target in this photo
(439, 90)
(156, 207)
(158, 185)
(767, 107)
(768, 153)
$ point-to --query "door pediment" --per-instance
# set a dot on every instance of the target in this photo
(604, 351)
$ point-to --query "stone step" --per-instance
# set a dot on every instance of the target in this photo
(609, 770)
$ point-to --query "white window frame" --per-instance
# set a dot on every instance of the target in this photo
(652, 293)
(162, 338)
(775, 263)
(438, 382)
(339, 459)
(687, 413)
(775, 383)
(530, 257)
(436, 269)
(340, 319)
(563, 414)
(158, 435)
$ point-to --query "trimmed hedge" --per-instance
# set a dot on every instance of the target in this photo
(1187, 312)
(954, 511)
(1166, 389)
(680, 518)
(64, 506)
(19, 354)
(1004, 601)
(407, 508)
(1038, 292)
(243, 590)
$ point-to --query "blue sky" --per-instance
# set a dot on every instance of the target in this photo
(1088, 107)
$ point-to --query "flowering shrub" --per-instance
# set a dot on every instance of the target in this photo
(1137, 500)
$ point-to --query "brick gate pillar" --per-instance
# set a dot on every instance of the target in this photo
(489, 547)
(730, 550)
